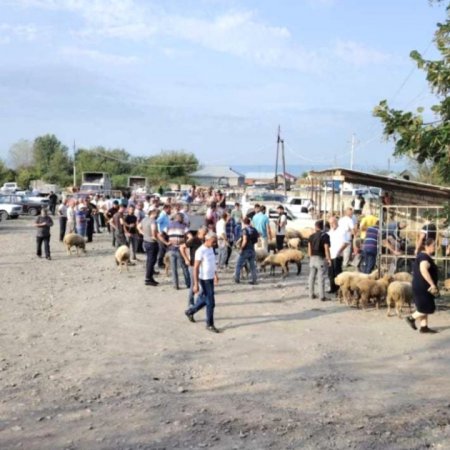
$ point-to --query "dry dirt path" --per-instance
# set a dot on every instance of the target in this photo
(93, 359)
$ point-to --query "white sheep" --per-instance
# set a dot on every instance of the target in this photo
(399, 292)
(74, 240)
(122, 257)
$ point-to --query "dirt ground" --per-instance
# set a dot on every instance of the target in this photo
(93, 359)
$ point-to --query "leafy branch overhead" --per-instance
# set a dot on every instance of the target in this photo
(414, 136)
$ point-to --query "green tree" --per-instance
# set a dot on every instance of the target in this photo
(6, 174)
(414, 136)
(171, 166)
(51, 160)
(99, 159)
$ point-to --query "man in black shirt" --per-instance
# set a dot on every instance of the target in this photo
(247, 251)
(43, 224)
(319, 259)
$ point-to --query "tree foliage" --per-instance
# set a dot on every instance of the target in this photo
(51, 160)
(425, 141)
(48, 159)
(172, 166)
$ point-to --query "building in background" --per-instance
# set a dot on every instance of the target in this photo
(218, 176)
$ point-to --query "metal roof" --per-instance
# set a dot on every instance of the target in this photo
(384, 182)
(216, 172)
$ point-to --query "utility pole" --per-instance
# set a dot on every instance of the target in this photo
(74, 167)
(280, 149)
(284, 165)
(275, 178)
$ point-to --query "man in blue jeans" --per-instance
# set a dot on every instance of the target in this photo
(176, 232)
(247, 254)
(370, 248)
(188, 250)
(205, 277)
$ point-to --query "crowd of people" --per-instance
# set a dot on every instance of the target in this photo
(163, 233)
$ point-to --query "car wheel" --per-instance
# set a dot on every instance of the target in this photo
(32, 211)
(3, 215)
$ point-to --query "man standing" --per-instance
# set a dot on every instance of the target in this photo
(370, 248)
(281, 227)
(163, 222)
(149, 230)
(358, 204)
(62, 214)
(52, 200)
(43, 224)
(130, 229)
(187, 251)
(262, 225)
(337, 246)
(347, 225)
(176, 233)
(205, 277)
(319, 259)
(237, 216)
(249, 239)
(116, 223)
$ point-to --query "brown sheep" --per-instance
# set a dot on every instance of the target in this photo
(402, 276)
(399, 292)
(282, 259)
(367, 289)
(74, 240)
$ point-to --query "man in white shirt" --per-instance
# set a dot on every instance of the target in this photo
(338, 244)
(205, 277)
(347, 225)
(281, 227)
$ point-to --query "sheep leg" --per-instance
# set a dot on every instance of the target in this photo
(284, 270)
(388, 301)
(299, 267)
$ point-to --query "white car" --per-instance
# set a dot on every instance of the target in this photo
(298, 205)
(9, 211)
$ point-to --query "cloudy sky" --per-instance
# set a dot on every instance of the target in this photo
(213, 77)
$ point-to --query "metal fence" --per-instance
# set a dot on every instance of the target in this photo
(400, 228)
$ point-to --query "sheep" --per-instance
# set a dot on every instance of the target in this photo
(294, 243)
(122, 257)
(447, 284)
(376, 289)
(282, 259)
(74, 240)
(402, 276)
(399, 292)
(348, 281)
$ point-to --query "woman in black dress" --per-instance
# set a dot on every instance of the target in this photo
(425, 277)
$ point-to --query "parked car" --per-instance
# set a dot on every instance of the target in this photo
(9, 210)
(29, 205)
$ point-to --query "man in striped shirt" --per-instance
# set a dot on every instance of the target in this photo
(370, 248)
(176, 232)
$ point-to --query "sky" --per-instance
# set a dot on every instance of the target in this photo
(214, 77)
